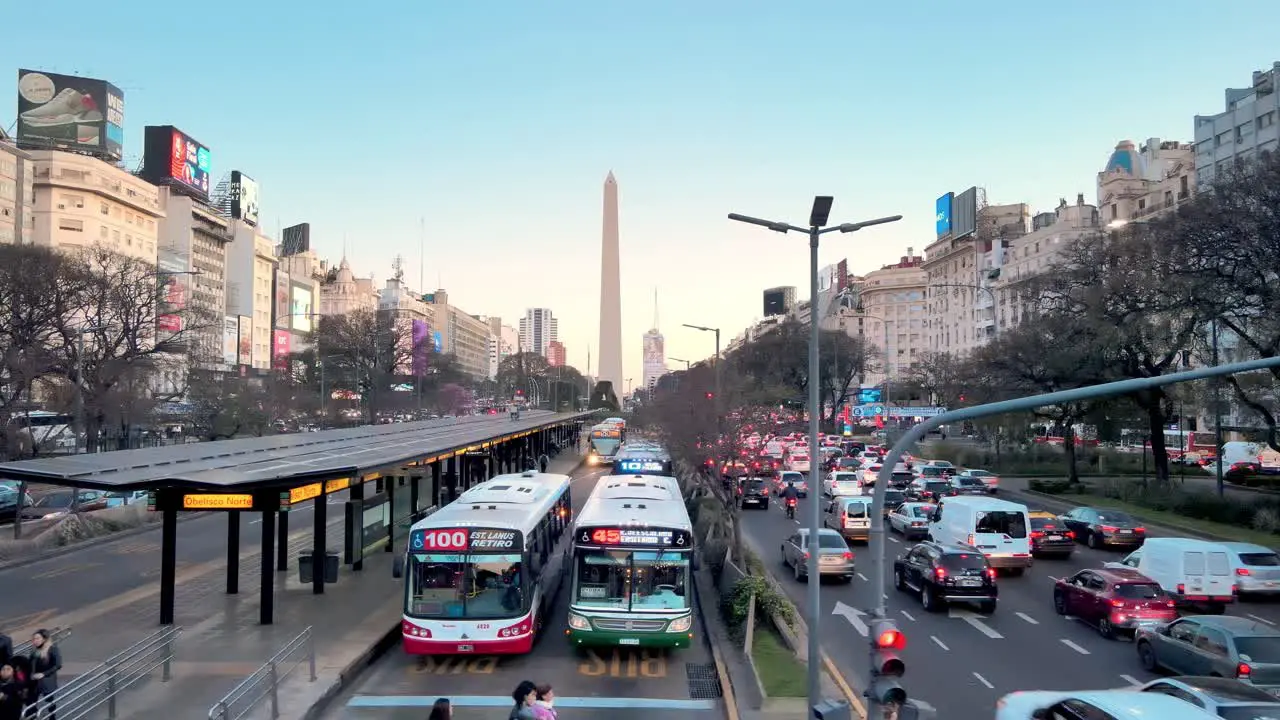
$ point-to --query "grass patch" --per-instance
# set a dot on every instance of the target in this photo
(1173, 519)
(780, 672)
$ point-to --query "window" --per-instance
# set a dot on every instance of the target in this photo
(70, 224)
(104, 208)
(1212, 641)
(1004, 522)
(631, 580)
(1184, 631)
(102, 231)
(1139, 591)
(460, 586)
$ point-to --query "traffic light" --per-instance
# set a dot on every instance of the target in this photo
(519, 392)
(710, 395)
(886, 667)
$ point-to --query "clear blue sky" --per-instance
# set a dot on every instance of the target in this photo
(497, 122)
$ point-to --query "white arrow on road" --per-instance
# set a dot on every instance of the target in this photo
(975, 620)
(853, 615)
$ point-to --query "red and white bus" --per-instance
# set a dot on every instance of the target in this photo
(482, 572)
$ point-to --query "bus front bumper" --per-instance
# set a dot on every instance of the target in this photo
(620, 638)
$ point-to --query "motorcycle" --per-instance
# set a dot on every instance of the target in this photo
(791, 508)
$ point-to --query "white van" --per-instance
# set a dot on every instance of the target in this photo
(849, 516)
(997, 528)
(842, 482)
(1195, 573)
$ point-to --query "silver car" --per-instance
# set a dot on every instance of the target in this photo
(911, 519)
(836, 558)
(1257, 568)
(1224, 697)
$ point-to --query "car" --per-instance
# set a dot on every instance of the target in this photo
(1049, 537)
(892, 499)
(925, 490)
(841, 483)
(60, 503)
(1256, 568)
(1222, 645)
(849, 516)
(988, 478)
(1095, 705)
(870, 472)
(755, 493)
(836, 557)
(1104, 527)
(911, 519)
(791, 477)
(963, 485)
(1224, 697)
(946, 574)
(798, 462)
(1117, 602)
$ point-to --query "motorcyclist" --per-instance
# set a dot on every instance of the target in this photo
(789, 495)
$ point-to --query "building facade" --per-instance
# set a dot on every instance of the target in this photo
(1145, 182)
(251, 269)
(342, 292)
(17, 194)
(1033, 253)
(406, 307)
(297, 303)
(80, 201)
(464, 336)
(504, 341)
(1245, 127)
(655, 358)
(556, 354)
(779, 301)
(538, 329)
(192, 240)
(893, 316)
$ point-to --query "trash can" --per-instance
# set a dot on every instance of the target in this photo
(331, 563)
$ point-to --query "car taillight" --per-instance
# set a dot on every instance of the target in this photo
(1118, 603)
(1140, 530)
(1036, 534)
(848, 555)
(1242, 571)
(1171, 604)
(843, 518)
(1071, 535)
(1243, 671)
(991, 573)
(940, 573)
(806, 554)
(1182, 589)
(1108, 528)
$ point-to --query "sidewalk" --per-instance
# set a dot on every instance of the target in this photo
(222, 642)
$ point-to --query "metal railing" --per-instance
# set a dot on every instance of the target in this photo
(56, 635)
(79, 698)
(265, 682)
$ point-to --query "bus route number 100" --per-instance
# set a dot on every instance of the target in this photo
(442, 540)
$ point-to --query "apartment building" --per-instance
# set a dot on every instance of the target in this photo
(302, 274)
(17, 194)
(192, 239)
(407, 308)
(1245, 128)
(538, 329)
(251, 268)
(342, 292)
(1033, 253)
(892, 316)
(504, 341)
(1146, 181)
(463, 335)
(81, 201)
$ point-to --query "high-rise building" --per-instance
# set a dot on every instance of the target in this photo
(555, 353)
(462, 335)
(192, 240)
(538, 329)
(610, 363)
(504, 341)
(655, 358)
(1245, 128)
(408, 309)
(17, 194)
(251, 268)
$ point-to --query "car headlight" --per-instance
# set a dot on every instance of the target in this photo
(680, 624)
(577, 622)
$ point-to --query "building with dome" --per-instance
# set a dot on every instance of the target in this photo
(1141, 182)
(343, 292)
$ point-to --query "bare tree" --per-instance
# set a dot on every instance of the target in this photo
(363, 351)
(939, 378)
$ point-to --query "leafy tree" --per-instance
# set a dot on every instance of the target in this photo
(454, 399)
(777, 363)
(517, 373)
(939, 378)
(224, 405)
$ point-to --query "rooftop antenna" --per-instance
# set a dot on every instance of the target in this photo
(397, 268)
(422, 254)
(344, 246)
(655, 308)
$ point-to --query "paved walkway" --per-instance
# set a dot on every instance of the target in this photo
(222, 642)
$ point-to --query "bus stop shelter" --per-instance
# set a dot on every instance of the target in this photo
(268, 475)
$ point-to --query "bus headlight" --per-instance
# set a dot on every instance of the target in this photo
(680, 624)
(577, 622)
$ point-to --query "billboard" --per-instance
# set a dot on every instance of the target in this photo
(826, 278)
(437, 341)
(295, 239)
(842, 276)
(300, 307)
(245, 344)
(281, 347)
(65, 112)
(171, 280)
(942, 214)
(964, 214)
(281, 305)
(171, 157)
(775, 302)
(244, 198)
(230, 340)
(420, 334)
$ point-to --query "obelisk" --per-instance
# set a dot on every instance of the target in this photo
(610, 363)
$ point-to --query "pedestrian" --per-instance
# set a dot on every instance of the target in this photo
(6, 649)
(440, 710)
(46, 661)
(543, 462)
(13, 693)
(525, 695)
(544, 706)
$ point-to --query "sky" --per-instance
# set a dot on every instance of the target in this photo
(473, 139)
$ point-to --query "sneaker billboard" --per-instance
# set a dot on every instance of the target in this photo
(66, 112)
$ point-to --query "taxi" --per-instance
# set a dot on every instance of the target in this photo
(1049, 536)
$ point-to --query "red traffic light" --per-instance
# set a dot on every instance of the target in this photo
(891, 640)
(519, 392)
(710, 395)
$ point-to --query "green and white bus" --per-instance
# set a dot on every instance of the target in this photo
(633, 559)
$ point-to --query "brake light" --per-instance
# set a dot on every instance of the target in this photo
(1117, 603)
(1140, 530)
(1242, 571)
(991, 573)
(1036, 534)
(1243, 671)
(524, 627)
(1071, 535)
(1108, 528)
(940, 573)
(844, 518)
(848, 555)
(1182, 589)
(806, 554)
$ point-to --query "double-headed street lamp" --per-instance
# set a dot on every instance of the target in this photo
(687, 364)
(818, 217)
(716, 403)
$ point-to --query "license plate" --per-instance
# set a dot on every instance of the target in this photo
(629, 641)
(970, 582)
(466, 648)
(1053, 538)
(1126, 532)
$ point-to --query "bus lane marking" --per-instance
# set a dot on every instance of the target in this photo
(456, 665)
(624, 664)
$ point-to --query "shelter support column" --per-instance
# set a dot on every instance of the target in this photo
(451, 478)
(168, 563)
(393, 488)
(415, 494)
(267, 590)
(353, 532)
(319, 548)
(437, 488)
(282, 541)
(233, 552)
(492, 461)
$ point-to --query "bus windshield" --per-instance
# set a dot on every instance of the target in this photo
(605, 445)
(465, 586)
(631, 579)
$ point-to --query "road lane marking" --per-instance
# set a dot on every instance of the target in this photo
(909, 616)
(894, 540)
(502, 701)
(32, 620)
(863, 578)
(1073, 646)
(1130, 679)
(976, 622)
(624, 663)
(1053, 578)
(984, 681)
(63, 570)
(1028, 618)
(939, 643)
(1261, 619)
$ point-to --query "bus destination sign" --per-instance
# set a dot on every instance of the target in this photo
(640, 466)
(464, 539)
(635, 537)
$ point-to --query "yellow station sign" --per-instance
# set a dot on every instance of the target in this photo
(226, 501)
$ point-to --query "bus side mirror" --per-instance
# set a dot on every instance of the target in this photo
(397, 567)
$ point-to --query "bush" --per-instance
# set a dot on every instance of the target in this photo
(769, 602)
(1036, 459)
(1057, 487)
(1256, 512)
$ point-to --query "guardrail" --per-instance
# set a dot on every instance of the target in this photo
(248, 694)
(56, 635)
(100, 686)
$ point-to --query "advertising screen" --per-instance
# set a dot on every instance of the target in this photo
(295, 239)
(244, 198)
(437, 341)
(775, 303)
(281, 347)
(282, 306)
(300, 307)
(230, 339)
(245, 345)
(420, 335)
(964, 213)
(173, 296)
(171, 157)
(70, 113)
(942, 215)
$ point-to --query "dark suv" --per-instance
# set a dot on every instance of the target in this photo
(945, 574)
(755, 492)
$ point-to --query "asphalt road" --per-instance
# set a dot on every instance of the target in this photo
(112, 566)
(618, 683)
(959, 658)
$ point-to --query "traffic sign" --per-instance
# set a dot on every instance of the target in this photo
(856, 412)
(916, 411)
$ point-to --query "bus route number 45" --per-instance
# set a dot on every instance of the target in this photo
(441, 540)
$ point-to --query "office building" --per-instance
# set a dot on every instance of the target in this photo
(504, 341)
(555, 354)
(779, 301)
(251, 270)
(464, 336)
(1245, 128)
(17, 194)
(538, 329)
(655, 357)
(1146, 182)
(893, 313)
(192, 240)
(301, 275)
(407, 308)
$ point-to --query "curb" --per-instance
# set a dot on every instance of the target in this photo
(722, 668)
(1159, 526)
(60, 550)
(352, 671)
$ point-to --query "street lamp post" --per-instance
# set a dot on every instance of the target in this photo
(818, 217)
(1217, 416)
(719, 408)
(995, 320)
(80, 428)
(687, 364)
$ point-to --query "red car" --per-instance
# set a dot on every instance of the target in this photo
(1115, 601)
